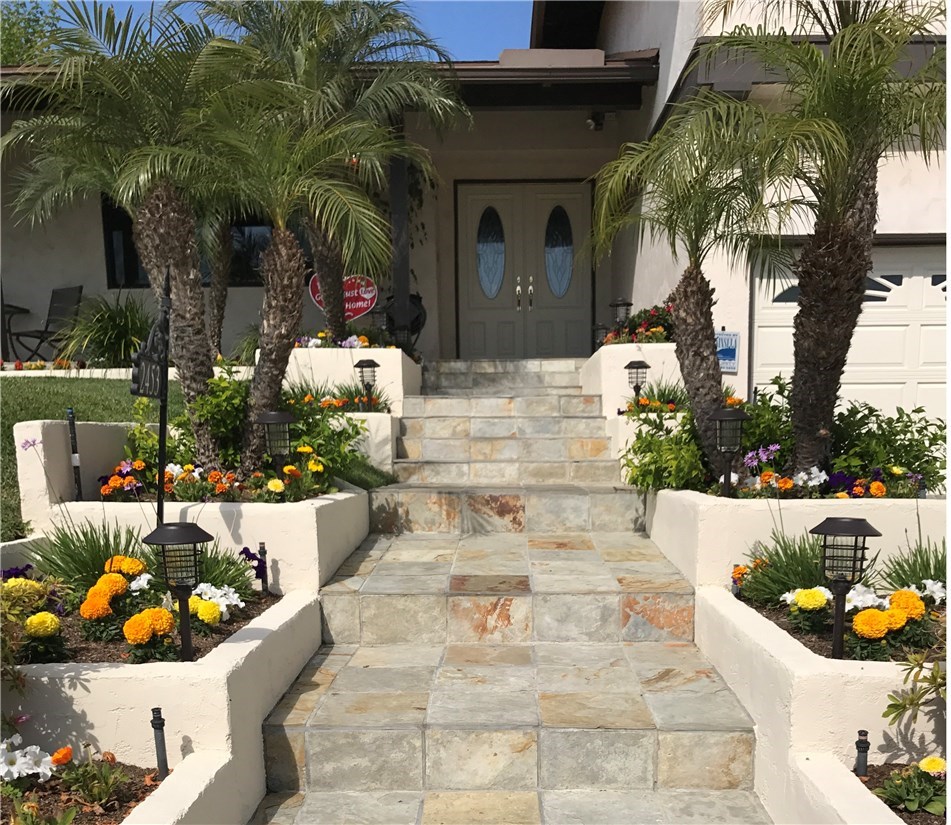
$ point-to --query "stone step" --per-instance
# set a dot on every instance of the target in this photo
(507, 472)
(471, 508)
(498, 392)
(508, 448)
(542, 406)
(505, 427)
(489, 366)
(488, 381)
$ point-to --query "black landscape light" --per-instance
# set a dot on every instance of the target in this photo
(366, 370)
(637, 376)
(599, 333)
(277, 435)
(729, 421)
(843, 563)
(179, 545)
(622, 310)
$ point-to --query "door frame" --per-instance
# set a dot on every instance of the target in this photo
(507, 181)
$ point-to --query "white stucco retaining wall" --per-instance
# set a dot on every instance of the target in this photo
(804, 703)
(706, 535)
(604, 374)
(214, 709)
(398, 375)
(378, 443)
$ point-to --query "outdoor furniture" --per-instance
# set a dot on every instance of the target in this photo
(6, 340)
(64, 305)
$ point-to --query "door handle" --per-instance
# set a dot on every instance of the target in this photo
(531, 291)
(518, 293)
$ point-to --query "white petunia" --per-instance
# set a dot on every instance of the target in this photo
(936, 590)
(800, 479)
(140, 582)
(861, 597)
(734, 478)
(38, 762)
(789, 596)
(175, 469)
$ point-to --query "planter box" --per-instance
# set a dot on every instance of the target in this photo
(398, 375)
(705, 535)
(307, 541)
(804, 704)
(378, 444)
(12, 553)
(603, 373)
(214, 709)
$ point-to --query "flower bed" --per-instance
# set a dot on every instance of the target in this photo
(916, 791)
(396, 377)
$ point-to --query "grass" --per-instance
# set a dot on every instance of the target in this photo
(361, 473)
(29, 399)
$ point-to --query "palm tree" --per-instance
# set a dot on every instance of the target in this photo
(696, 185)
(855, 87)
(361, 59)
(115, 88)
(271, 160)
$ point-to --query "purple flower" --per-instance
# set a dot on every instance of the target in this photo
(260, 568)
(750, 460)
(876, 474)
(29, 443)
(125, 466)
(764, 454)
(15, 572)
(774, 448)
(840, 479)
(914, 476)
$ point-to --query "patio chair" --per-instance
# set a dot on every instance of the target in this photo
(64, 305)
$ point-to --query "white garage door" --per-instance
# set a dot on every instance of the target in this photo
(898, 356)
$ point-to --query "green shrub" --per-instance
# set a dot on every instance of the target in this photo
(77, 552)
(106, 333)
(246, 346)
(770, 422)
(864, 438)
(922, 560)
(912, 789)
(224, 408)
(665, 454)
(359, 472)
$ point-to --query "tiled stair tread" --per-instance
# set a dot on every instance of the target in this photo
(528, 808)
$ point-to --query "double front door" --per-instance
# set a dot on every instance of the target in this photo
(524, 270)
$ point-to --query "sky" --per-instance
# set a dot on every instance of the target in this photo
(467, 29)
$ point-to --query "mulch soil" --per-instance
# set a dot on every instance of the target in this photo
(88, 651)
(53, 798)
(877, 774)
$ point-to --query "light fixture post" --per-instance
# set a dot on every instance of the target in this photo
(366, 370)
(637, 376)
(277, 436)
(729, 423)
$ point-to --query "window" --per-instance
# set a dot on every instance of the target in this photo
(559, 252)
(490, 252)
(123, 270)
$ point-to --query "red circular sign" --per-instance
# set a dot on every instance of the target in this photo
(359, 295)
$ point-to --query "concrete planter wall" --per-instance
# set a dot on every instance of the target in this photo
(705, 535)
(118, 373)
(604, 374)
(398, 375)
(378, 444)
(307, 540)
(214, 709)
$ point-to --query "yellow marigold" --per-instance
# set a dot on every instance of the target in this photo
(315, 466)
(209, 612)
(115, 584)
(841, 495)
(138, 630)
(909, 601)
(23, 590)
(188, 467)
(133, 567)
(933, 765)
(811, 599)
(160, 619)
(870, 624)
(275, 485)
(289, 469)
(193, 604)
(766, 476)
(138, 464)
(896, 618)
(114, 564)
(305, 448)
(95, 607)
(877, 489)
(785, 484)
(40, 625)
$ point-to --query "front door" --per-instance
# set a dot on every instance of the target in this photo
(524, 272)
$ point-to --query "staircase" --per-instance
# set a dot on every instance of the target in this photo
(507, 651)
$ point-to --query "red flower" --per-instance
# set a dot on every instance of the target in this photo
(18, 365)
(653, 311)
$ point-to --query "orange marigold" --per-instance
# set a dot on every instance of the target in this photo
(63, 756)
(858, 491)
(221, 488)
(160, 619)
(214, 476)
(785, 484)
(133, 567)
(870, 624)
(766, 476)
(114, 584)
(307, 399)
(137, 630)
(138, 464)
(908, 601)
(95, 608)
(877, 489)
(115, 482)
(733, 401)
(292, 471)
(896, 618)
(841, 495)
(114, 565)
(169, 488)
(230, 477)
(105, 490)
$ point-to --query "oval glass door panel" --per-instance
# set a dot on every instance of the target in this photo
(559, 252)
(490, 252)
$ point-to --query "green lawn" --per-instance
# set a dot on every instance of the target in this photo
(27, 399)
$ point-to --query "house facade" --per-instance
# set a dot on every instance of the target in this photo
(499, 250)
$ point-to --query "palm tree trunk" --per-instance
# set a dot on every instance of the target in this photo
(164, 234)
(832, 269)
(282, 268)
(218, 290)
(328, 265)
(696, 349)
